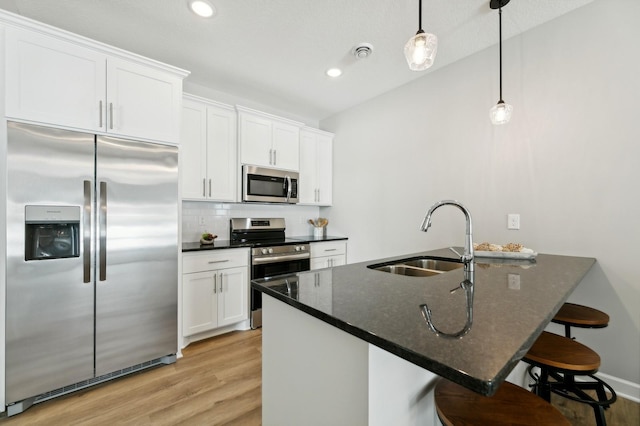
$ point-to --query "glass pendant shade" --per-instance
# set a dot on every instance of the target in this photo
(420, 51)
(500, 113)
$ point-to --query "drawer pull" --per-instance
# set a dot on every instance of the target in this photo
(333, 249)
(217, 261)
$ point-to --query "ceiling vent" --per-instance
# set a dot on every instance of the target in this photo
(363, 50)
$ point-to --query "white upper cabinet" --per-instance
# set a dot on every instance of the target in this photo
(267, 140)
(316, 167)
(58, 80)
(54, 81)
(208, 138)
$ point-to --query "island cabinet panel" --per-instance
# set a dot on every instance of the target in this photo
(316, 167)
(338, 378)
(267, 140)
(77, 84)
(208, 155)
(215, 288)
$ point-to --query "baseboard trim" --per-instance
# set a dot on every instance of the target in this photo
(624, 388)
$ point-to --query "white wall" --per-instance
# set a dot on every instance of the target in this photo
(567, 162)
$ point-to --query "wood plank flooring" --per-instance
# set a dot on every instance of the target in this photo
(217, 382)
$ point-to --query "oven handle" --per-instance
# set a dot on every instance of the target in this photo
(275, 259)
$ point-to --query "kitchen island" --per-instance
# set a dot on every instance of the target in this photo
(351, 343)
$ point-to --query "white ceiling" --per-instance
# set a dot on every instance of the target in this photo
(276, 52)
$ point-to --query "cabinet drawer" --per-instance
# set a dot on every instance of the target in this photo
(329, 248)
(213, 260)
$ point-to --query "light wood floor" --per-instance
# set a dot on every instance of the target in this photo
(217, 382)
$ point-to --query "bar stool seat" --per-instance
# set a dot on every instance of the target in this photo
(561, 359)
(511, 405)
(573, 315)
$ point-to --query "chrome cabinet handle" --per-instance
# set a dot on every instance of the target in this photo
(330, 249)
(220, 282)
(215, 283)
(204, 187)
(86, 232)
(209, 187)
(271, 157)
(100, 114)
(103, 231)
(275, 158)
(111, 115)
(218, 261)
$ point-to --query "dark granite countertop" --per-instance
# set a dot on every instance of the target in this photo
(227, 244)
(384, 310)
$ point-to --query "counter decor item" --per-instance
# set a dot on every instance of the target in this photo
(319, 226)
(507, 251)
(207, 238)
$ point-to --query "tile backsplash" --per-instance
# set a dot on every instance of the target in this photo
(199, 217)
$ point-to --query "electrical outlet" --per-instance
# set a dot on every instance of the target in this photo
(201, 220)
(513, 281)
(513, 221)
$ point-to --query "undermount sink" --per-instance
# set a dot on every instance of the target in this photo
(418, 267)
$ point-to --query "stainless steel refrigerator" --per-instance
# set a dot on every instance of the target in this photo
(92, 252)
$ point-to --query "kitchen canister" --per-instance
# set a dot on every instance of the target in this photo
(319, 231)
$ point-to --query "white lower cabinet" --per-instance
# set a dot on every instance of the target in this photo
(215, 289)
(328, 254)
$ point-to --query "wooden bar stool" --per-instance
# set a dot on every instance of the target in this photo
(572, 315)
(560, 360)
(511, 405)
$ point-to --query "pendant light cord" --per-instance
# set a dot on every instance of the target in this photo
(420, 15)
(500, 31)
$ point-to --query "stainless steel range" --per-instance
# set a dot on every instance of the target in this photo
(272, 253)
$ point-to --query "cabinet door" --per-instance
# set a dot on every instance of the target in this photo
(233, 288)
(221, 154)
(200, 302)
(255, 140)
(286, 143)
(143, 102)
(324, 170)
(193, 152)
(52, 81)
(308, 187)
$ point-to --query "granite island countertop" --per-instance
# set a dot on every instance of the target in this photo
(512, 302)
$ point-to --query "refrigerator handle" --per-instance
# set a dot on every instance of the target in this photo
(86, 233)
(103, 231)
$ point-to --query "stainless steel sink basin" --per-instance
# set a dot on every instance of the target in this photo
(407, 270)
(418, 267)
(435, 264)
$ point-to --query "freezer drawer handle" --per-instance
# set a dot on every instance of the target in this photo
(103, 231)
(86, 233)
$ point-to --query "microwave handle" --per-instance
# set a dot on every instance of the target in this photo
(288, 178)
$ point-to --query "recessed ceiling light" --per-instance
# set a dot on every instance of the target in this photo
(202, 8)
(334, 72)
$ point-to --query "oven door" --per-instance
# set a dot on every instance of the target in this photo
(266, 270)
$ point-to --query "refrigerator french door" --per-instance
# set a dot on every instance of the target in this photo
(92, 235)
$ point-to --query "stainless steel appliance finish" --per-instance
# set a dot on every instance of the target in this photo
(273, 254)
(261, 184)
(114, 306)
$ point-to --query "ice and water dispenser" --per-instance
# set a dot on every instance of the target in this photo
(52, 232)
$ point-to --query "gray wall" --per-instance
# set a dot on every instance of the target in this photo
(567, 162)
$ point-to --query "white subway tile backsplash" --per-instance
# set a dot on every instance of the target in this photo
(216, 217)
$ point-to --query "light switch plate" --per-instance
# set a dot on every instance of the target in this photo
(513, 221)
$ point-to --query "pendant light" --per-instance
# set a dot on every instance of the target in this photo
(421, 49)
(501, 112)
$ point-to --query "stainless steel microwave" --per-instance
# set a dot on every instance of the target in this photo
(265, 185)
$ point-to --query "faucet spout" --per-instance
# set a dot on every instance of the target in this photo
(467, 256)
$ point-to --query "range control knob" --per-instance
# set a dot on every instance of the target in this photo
(298, 248)
(270, 250)
(264, 251)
